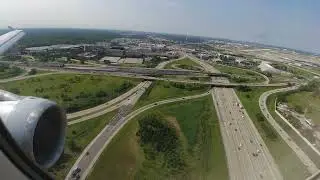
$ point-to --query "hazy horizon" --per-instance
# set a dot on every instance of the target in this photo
(292, 24)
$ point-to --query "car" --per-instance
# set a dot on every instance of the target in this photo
(235, 129)
(75, 172)
(155, 104)
(254, 154)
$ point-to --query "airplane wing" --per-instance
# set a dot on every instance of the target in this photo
(9, 39)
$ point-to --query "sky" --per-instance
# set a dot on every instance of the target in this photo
(287, 23)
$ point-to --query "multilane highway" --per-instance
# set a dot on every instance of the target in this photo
(95, 148)
(247, 155)
(92, 152)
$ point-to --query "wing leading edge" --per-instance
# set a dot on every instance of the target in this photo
(9, 39)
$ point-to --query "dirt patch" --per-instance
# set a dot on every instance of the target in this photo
(174, 123)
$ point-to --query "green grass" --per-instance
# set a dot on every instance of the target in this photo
(308, 102)
(160, 90)
(294, 136)
(281, 78)
(71, 91)
(43, 71)
(239, 75)
(301, 74)
(196, 125)
(77, 138)
(290, 166)
(185, 63)
(9, 72)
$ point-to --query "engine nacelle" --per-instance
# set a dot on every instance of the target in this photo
(37, 125)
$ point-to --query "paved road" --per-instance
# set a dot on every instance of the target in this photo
(113, 106)
(215, 83)
(103, 107)
(247, 155)
(312, 168)
(242, 140)
(96, 147)
(27, 77)
(98, 144)
(267, 80)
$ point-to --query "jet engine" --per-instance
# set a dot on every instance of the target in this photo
(37, 125)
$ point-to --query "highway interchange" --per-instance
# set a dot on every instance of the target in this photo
(247, 155)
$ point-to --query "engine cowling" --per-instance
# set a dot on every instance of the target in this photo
(37, 125)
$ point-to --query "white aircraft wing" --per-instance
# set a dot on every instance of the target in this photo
(9, 39)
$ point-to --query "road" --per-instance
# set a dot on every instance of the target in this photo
(108, 104)
(22, 77)
(98, 144)
(312, 168)
(267, 80)
(215, 83)
(96, 147)
(241, 140)
(108, 108)
(247, 155)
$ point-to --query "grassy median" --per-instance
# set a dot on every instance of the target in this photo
(74, 92)
(290, 166)
(185, 63)
(78, 137)
(172, 141)
(239, 75)
(8, 72)
(160, 90)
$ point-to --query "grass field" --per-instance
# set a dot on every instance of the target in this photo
(201, 148)
(77, 138)
(73, 92)
(239, 75)
(290, 166)
(185, 63)
(301, 74)
(281, 78)
(294, 136)
(308, 102)
(160, 90)
(9, 72)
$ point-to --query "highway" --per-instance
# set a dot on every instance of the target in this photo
(96, 147)
(242, 140)
(22, 77)
(108, 104)
(247, 155)
(267, 80)
(312, 168)
(105, 108)
(151, 78)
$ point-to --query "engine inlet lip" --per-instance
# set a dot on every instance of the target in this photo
(53, 155)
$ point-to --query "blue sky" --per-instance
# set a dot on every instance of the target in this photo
(289, 23)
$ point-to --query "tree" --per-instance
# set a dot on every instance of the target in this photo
(32, 71)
